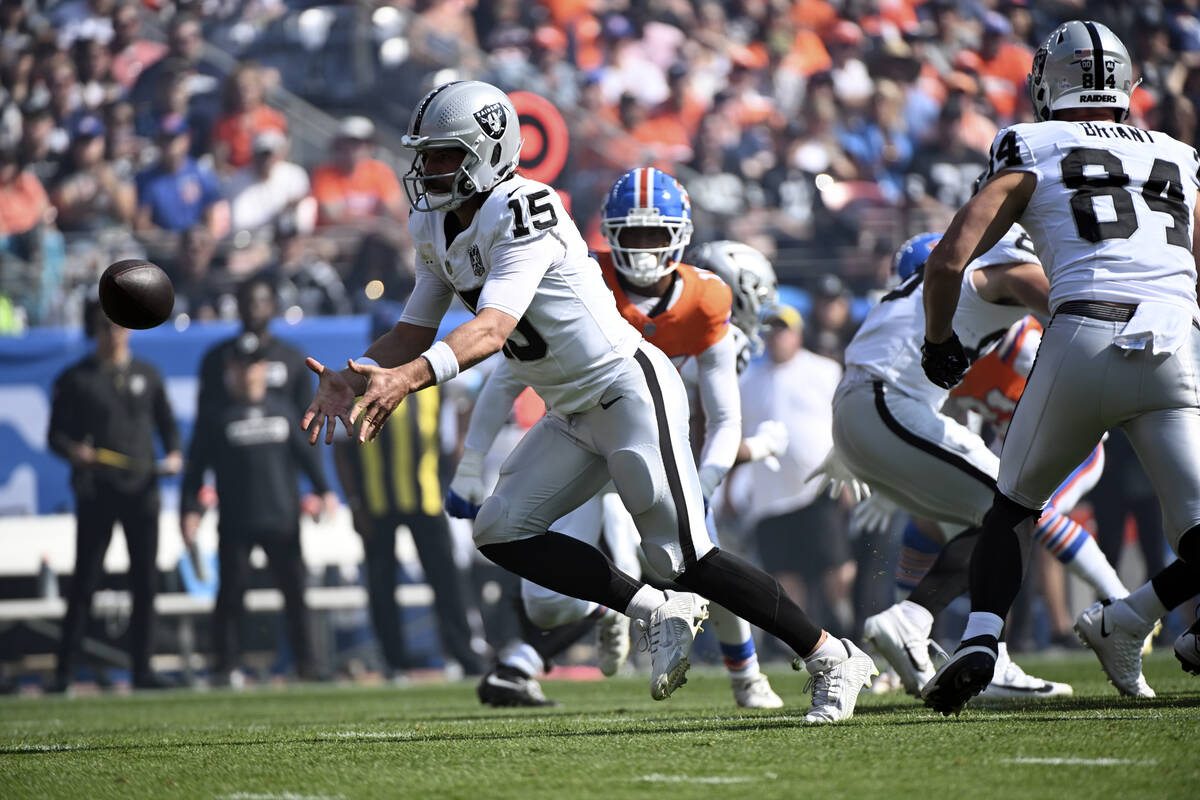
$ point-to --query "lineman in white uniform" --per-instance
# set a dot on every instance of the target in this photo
(617, 407)
(889, 430)
(1111, 211)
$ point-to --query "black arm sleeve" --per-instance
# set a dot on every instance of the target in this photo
(164, 418)
(198, 459)
(65, 425)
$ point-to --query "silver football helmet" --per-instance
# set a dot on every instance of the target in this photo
(1081, 65)
(467, 115)
(750, 277)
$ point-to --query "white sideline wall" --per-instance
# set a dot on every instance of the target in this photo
(24, 541)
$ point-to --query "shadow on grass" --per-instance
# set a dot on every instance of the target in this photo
(904, 713)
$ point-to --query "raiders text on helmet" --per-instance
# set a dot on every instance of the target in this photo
(1081, 65)
(467, 115)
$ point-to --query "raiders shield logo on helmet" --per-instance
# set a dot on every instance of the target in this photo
(492, 119)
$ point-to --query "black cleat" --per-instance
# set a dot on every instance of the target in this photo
(966, 674)
(506, 686)
(1187, 649)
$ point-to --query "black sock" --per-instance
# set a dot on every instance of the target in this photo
(998, 563)
(1176, 582)
(754, 596)
(567, 566)
(950, 574)
(550, 643)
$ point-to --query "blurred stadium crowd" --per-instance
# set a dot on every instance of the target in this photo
(225, 138)
(231, 139)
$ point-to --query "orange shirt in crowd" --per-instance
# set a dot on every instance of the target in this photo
(808, 55)
(360, 194)
(1004, 77)
(23, 203)
(237, 131)
(667, 139)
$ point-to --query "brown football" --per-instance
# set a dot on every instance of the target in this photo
(136, 294)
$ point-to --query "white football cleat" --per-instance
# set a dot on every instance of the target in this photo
(612, 641)
(1011, 682)
(669, 636)
(1119, 650)
(905, 645)
(755, 692)
(835, 685)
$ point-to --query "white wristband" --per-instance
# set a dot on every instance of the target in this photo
(367, 360)
(443, 361)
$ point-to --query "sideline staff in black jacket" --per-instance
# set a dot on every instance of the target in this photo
(256, 451)
(105, 411)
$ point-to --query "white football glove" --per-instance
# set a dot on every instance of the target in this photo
(710, 478)
(466, 493)
(770, 439)
(874, 514)
(837, 476)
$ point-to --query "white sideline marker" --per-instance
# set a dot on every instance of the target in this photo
(1082, 762)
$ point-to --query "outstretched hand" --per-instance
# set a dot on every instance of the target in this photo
(386, 388)
(331, 403)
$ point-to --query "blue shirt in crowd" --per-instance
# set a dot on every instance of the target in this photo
(178, 200)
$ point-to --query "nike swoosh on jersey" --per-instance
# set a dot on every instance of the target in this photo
(609, 404)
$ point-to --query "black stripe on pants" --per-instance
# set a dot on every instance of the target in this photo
(953, 459)
(668, 457)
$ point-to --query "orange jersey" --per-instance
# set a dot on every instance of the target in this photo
(994, 383)
(698, 319)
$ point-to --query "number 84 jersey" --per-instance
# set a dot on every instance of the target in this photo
(523, 255)
(1111, 216)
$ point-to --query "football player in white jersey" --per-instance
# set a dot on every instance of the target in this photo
(918, 457)
(617, 407)
(688, 315)
(1111, 210)
(890, 432)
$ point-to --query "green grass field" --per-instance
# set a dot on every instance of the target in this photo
(608, 740)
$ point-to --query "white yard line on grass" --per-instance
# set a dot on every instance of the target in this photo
(1082, 762)
(47, 748)
(368, 734)
(709, 779)
(278, 796)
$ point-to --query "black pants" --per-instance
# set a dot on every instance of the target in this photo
(1125, 489)
(431, 535)
(285, 560)
(94, 520)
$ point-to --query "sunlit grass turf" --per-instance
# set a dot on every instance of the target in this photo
(608, 740)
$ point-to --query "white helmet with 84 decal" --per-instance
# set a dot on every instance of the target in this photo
(1082, 64)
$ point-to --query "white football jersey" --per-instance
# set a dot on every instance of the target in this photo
(1111, 217)
(888, 345)
(523, 255)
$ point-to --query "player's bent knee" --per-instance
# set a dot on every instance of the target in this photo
(1008, 513)
(491, 523)
(664, 559)
(638, 478)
